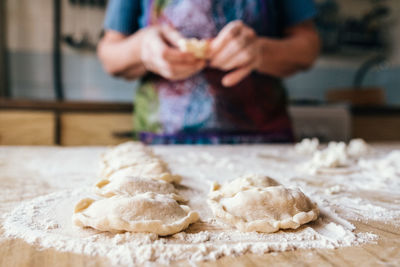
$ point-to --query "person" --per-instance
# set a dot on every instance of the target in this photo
(235, 94)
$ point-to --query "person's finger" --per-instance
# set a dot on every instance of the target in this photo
(235, 47)
(171, 35)
(243, 58)
(229, 53)
(177, 71)
(228, 33)
(190, 72)
(132, 72)
(236, 76)
(176, 56)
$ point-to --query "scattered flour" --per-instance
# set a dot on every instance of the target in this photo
(335, 155)
(44, 220)
(307, 146)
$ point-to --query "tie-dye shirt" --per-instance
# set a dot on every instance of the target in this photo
(200, 109)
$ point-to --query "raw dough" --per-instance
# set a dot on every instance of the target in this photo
(148, 212)
(261, 205)
(127, 185)
(244, 183)
(135, 159)
(149, 170)
(195, 46)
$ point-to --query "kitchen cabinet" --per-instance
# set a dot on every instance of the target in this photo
(377, 128)
(20, 127)
(94, 128)
(376, 124)
(77, 123)
(64, 123)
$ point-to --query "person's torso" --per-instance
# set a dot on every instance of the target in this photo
(201, 103)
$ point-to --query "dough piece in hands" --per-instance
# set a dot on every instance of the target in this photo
(261, 208)
(195, 46)
(148, 213)
(133, 185)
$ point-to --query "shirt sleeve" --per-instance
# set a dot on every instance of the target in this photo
(122, 16)
(297, 11)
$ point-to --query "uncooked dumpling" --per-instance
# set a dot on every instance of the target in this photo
(123, 149)
(135, 159)
(148, 212)
(148, 170)
(261, 208)
(125, 155)
(127, 185)
(244, 183)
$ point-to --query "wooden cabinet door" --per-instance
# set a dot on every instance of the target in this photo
(26, 127)
(94, 128)
(377, 128)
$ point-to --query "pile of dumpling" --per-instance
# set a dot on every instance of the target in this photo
(137, 194)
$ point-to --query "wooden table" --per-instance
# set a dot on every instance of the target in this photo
(386, 252)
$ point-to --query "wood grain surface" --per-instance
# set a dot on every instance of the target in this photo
(26, 127)
(385, 252)
(94, 128)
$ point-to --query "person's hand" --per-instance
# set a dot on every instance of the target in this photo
(160, 54)
(235, 48)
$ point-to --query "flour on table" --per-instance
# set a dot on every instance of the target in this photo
(335, 157)
(357, 148)
(54, 174)
(307, 146)
(387, 166)
(45, 223)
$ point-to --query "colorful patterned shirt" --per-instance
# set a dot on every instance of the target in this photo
(200, 109)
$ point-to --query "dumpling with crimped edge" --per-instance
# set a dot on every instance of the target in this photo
(150, 170)
(135, 159)
(129, 147)
(125, 150)
(243, 183)
(261, 208)
(121, 184)
(148, 213)
(124, 156)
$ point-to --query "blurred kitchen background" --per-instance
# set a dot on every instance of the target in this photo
(50, 75)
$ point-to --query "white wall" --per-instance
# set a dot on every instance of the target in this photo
(30, 40)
